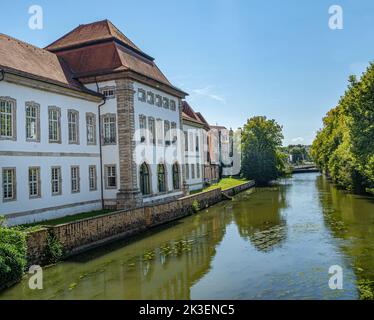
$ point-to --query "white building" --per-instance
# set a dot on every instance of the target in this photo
(64, 148)
(193, 129)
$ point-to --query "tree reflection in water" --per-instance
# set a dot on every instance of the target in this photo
(260, 221)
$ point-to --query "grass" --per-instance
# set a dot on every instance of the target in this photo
(67, 219)
(227, 183)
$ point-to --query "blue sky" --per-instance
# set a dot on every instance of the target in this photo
(236, 58)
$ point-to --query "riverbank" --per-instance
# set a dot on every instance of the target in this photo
(81, 235)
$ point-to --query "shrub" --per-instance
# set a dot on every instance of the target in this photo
(195, 206)
(54, 249)
(12, 255)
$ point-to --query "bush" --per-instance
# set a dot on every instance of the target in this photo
(54, 249)
(12, 255)
(195, 206)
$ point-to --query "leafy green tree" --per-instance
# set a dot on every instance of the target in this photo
(262, 159)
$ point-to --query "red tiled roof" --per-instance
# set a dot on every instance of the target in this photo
(26, 59)
(202, 119)
(99, 48)
(87, 33)
(189, 114)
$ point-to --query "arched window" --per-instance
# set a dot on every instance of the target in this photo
(145, 187)
(161, 178)
(176, 184)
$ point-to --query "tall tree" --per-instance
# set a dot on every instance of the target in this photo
(261, 142)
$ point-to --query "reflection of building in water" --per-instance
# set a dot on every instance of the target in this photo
(177, 265)
(350, 217)
(263, 225)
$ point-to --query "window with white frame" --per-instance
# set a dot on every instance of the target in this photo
(174, 132)
(159, 131)
(185, 141)
(198, 171)
(73, 126)
(34, 182)
(91, 128)
(165, 103)
(108, 92)
(167, 132)
(152, 130)
(173, 105)
(54, 124)
(158, 100)
(9, 184)
(187, 168)
(142, 127)
(110, 177)
(197, 147)
(56, 181)
(191, 141)
(193, 171)
(92, 176)
(75, 179)
(141, 95)
(109, 129)
(150, 97)
(32, 112)
(7, 118)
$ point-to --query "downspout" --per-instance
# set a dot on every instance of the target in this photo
(101, 148)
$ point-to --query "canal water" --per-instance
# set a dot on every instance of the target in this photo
(267, 243)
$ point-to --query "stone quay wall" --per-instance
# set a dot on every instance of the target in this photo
(81, 235)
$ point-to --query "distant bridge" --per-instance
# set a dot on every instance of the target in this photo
(305, 168)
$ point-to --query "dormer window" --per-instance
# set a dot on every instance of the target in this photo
(108, 93)
(141, 95)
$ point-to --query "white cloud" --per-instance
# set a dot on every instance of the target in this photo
(298, 140)
(206, 92)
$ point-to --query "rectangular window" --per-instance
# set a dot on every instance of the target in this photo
(92, 178)
(198, 171)
(197, 143)
(158, 100)
(73, 126)
(9, 184)
(142, 127)
(150, 97)
(174, 132)
(191, 141)
(56, 181)
(108, 93)
(91, 128)
(160, 132)
(34, 182)
(111, 177)
(152, 131)
(32, 121)
(185, 141)
(75, 179)
(54, 118)
(7, 118)
(193, 171)
(173, 105)
(167, 132)
(165, 103)
(187, 166)
(109, 129)
(141, 95)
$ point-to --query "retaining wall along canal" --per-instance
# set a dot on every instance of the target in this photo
(81, 235)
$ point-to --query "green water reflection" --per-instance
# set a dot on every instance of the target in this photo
(270, 243)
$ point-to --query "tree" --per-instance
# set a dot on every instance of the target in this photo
(262, 159)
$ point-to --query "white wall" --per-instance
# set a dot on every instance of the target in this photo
(23, 94)
(193, 157)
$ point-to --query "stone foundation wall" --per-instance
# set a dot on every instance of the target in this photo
(84, 234)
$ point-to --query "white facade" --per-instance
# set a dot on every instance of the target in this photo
(194, 155)
(19, 155)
